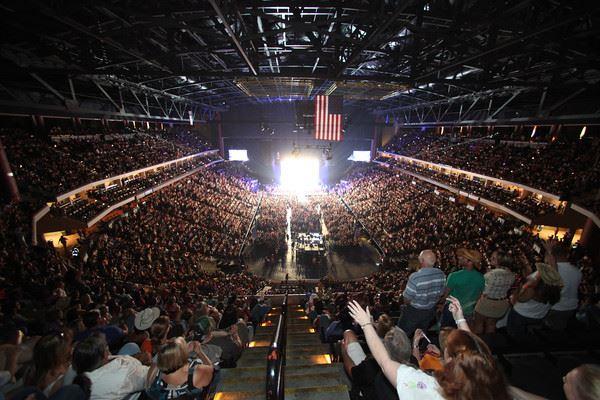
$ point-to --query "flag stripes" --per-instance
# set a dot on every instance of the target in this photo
(328, 118)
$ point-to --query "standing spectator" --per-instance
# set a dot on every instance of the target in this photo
(466, 285)
(493, 303)
(533, 301)
(423, 291)
(560, 313)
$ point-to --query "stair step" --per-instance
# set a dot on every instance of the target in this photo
(259, 343)
(260, 395)
(229, 374)
(324, 369)
(302, 332)
(339, 392)
(240, 373)
(303, 349)
(308, 359)
(255, 384)
(303, 381)
(304, 339)
(298, 321)
(252, 362)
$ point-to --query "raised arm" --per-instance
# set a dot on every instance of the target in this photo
(380, 354)
(457, 313)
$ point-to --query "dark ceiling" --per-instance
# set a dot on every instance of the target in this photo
(167, 57)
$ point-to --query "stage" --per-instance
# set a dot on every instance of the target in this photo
(339, 264)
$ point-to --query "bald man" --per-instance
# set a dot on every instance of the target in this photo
(423, 291)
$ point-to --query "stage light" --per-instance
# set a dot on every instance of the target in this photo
(300, 174)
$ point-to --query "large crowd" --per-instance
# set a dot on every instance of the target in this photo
(513, 199)
(102, 197)
(565, 167)
(63, 165)
(109, 321)
(405, 215)
(140, 287)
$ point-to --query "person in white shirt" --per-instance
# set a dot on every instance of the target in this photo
(469, 370)
(559, 315)
(103, 376)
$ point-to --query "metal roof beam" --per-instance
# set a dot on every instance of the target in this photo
(233, 36)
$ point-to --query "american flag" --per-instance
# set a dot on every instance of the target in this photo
(328, 118)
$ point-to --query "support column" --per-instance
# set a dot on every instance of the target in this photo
(220, 140)
(8, 177)
(376, 141)
(40, 123)
(589, 236)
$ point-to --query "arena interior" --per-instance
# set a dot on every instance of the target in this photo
(340, 199)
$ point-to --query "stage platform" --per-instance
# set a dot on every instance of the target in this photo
(341, 264)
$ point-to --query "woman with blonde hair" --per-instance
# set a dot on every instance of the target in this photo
(176, 374)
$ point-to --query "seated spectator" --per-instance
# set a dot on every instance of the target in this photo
(51, 360)
(469, 372)
(533, 300)
(228, 341)
(423, 291)
(143, 323)
(175, 375)
(494, 303)
(258, 312)
(103, 376)
(581, 383)
(428, 354)
(200, 320)
(94, 323)
(158, 334)
(365, 373)
(16, 351)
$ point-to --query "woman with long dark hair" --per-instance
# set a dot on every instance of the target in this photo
(51, 360)
(103, 376)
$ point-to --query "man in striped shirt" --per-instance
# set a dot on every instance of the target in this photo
(423, 291)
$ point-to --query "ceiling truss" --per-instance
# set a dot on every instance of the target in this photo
(448, 60)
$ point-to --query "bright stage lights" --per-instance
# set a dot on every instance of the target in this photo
(300, 174)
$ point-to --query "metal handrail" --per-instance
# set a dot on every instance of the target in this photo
(252, 222)
(276, 358)
(363, 226)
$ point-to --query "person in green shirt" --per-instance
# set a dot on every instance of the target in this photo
(466, 284)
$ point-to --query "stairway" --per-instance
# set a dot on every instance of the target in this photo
(247, 381)
(309, 373)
